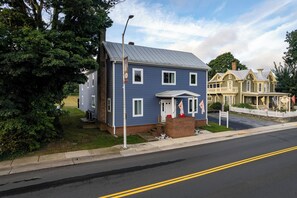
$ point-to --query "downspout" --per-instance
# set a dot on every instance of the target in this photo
(113, 98)
(206, 100)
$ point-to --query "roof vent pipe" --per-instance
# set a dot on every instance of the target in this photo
(131, 43)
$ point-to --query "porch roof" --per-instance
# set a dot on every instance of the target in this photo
(177, 94)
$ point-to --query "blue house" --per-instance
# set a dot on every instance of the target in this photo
(159, 82)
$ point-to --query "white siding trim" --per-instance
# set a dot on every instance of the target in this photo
(93, 97)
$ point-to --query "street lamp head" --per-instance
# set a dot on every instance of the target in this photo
(131, 16)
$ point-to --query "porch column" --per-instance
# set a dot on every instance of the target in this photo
(172, 107)
(240, 93)
(267, 102)
(277, 102)
(289, 103)
(257, 101)
(193, 106)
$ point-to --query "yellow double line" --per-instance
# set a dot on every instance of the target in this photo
(197, 174)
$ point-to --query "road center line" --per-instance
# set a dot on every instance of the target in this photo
(198, 174)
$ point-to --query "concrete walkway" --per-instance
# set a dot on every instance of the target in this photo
(71, 158)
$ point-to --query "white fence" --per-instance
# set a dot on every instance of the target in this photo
(268, 113)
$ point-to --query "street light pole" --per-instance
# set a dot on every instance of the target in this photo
(124, 87)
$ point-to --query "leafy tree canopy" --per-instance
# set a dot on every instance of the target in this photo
(44, 44)
(222, 63)
(287, 73)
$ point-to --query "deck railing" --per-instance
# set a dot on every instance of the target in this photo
(222, 90)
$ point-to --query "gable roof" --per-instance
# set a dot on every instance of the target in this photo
(154, 56)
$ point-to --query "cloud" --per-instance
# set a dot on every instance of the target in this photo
(256, 38)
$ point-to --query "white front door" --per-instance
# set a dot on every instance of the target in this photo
(166, 109)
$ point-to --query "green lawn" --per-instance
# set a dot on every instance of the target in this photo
(77, 138)
(214, 127)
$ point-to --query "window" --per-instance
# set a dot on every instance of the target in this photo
(190, 105)
(137, 107)
(260, 87)
(248, 86)
(265, 87)
(137, 76)
(193, 79)
(168, 78)
(88, 82)
(230, 84)
(93, 80)
(108, 105)
(93, 101)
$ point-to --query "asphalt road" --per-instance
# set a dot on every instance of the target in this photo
(270, 176)
(240, 122)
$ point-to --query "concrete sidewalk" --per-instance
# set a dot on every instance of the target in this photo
(71, 158)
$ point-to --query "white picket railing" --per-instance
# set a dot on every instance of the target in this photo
(267, 113)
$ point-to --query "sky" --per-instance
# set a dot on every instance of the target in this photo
(254, 31)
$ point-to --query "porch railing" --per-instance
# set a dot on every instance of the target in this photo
(222, 90)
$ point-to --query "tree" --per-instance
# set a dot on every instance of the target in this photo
(287, 73)
(222, 63)
(44, 44)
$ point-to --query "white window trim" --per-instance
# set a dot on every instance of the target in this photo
(133, 75)
(195, 99)
(133, 107)
(164, 71)
(82, 100)
(108, 105)
(190, 75)
(93, 80)
(93, 106)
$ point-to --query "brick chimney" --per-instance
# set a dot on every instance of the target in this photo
(234, 65)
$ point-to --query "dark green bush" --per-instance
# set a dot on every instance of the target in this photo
(244, 105)
(216, 106)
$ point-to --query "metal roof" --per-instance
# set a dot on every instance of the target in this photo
(176, 93)
(154, 56)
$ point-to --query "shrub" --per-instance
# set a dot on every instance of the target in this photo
(216, 106)
(244, 105)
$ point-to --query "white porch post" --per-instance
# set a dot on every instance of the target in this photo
(257, 101)
(289, 104)
(173, 107)
(267, 102)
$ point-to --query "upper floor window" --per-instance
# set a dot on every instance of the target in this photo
(88, 82)
(168, 77)
(248, 86)
(260, 87)
(93, 79)
(137, 76)
(137, 107)
(230, 84)
(193, 79)
(265, 87)
(193, 108)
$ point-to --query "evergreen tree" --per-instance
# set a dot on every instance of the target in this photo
(287, 73)
(44, 44)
